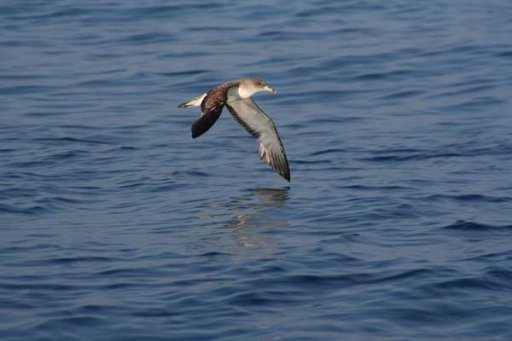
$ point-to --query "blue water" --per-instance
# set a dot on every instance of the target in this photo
(396, 117)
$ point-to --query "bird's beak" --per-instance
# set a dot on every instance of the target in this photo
(269, 89)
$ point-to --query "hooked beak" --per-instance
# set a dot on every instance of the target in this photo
(269, 89)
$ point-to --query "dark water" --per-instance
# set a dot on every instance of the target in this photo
(116, 225)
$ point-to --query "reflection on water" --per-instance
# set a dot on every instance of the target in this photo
(261, 206)
(267, 200)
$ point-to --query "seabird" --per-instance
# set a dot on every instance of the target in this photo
(236, 95)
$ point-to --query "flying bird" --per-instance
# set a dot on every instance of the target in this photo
(236, 95)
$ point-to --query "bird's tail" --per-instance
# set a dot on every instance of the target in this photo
(195, 102)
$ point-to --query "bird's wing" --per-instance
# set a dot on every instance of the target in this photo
(259, 125)
(211, 107)
(206, 121)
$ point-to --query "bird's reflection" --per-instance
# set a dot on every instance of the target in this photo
(249, 220)
(261, 206)
(266, 200)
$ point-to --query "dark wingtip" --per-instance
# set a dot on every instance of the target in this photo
(182, 105)
(287, 177)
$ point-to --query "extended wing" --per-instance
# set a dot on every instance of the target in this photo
(211, 108)
(206, 121)
(261, 126)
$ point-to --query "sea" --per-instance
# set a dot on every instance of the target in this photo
(116, 225)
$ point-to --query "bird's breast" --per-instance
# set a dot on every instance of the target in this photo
(234, 94)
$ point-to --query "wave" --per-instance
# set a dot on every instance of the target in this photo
(462, 225)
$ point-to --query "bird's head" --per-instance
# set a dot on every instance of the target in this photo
(251, 86)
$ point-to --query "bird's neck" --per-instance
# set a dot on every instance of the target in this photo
(244, 92)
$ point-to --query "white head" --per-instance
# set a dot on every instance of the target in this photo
(250, 86)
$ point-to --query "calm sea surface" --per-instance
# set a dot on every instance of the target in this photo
(397, 120)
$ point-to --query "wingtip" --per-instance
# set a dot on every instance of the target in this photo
(287, 177)
(195, 132)
(284, 173)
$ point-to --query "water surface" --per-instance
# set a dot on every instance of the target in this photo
(116, 225)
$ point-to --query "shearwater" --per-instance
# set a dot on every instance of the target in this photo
(236, 95)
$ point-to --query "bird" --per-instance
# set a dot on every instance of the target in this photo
(237, 97)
